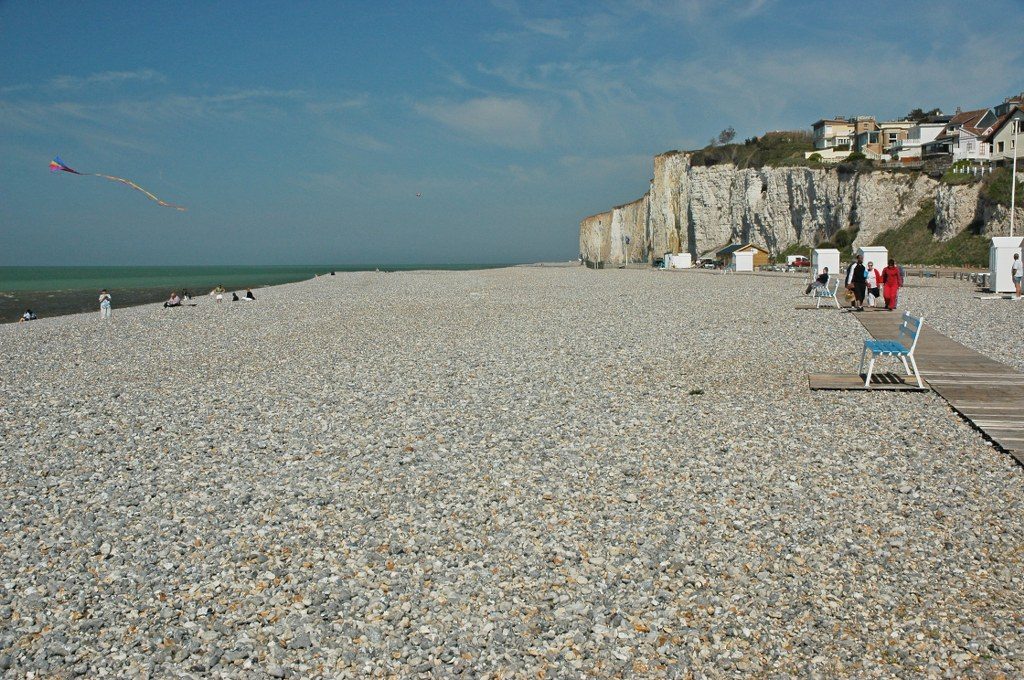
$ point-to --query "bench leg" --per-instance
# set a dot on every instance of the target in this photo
(835, 299)
(917, 373)
(871, 367)
(860, 369)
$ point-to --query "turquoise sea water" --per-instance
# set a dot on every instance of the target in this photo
(94, 278)
(53, 291)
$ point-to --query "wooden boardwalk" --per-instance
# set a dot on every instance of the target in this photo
(987, 393)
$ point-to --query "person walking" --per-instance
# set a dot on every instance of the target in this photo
(1017, 271)
(856, 280)
(104, 304)
(892, 281)
(874, 280)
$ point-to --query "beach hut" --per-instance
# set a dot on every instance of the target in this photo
(877, 254)
(1000, 259)
(743, 261)
(679, 261)
(824, 257)
(757, 255)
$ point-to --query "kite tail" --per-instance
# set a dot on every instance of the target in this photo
(135, 186)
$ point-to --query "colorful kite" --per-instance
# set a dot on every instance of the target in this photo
(57, 164)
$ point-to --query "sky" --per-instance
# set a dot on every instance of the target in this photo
(302, 132)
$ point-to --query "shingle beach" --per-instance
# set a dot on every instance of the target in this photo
(524, 472)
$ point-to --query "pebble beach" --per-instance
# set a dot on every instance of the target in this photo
(523, 472)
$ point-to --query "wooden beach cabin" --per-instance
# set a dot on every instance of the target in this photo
(757, 255)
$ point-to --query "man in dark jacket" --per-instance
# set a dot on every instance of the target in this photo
(856, 280)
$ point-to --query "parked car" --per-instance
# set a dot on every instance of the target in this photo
(801, 262)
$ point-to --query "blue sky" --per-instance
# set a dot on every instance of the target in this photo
(302, 132)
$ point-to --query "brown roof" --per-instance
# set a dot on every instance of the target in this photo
(963, 119)
(1002, 121)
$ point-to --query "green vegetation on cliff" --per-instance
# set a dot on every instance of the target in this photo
(997, 186)
(842, 241)
(914, 242)
(772, 149)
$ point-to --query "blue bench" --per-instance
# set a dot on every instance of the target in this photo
(902, 348)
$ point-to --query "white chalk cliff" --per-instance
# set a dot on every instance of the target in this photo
(697, 209)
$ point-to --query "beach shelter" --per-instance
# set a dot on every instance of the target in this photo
(743, 261)
(877, 254)
(824, 257)
(1000, 259)
(679, 261)
(757, 255)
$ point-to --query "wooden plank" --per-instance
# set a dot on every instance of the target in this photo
(987, 393)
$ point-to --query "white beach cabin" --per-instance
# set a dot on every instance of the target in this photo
(1000, 259)
(877, 254)
(824, 257)
(679, 261)
(743, 260)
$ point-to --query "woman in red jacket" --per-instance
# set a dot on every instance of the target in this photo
(891, 284)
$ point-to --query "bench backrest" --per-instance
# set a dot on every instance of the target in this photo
(910, 330)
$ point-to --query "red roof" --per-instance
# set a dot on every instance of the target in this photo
(962, 119)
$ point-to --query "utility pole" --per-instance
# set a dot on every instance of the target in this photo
(1013, 175)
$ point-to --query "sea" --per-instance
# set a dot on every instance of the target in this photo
(53, 291)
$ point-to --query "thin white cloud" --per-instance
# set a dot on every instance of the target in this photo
(67, 82)
(500, 121)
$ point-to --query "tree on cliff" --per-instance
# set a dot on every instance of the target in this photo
(727, 135)
(919, 115)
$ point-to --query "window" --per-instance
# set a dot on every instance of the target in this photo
(1000, 147)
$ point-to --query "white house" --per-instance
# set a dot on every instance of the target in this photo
(1002, 137)
(970, 145)
(917, 136)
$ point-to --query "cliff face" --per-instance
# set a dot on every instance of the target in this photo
(697, 209)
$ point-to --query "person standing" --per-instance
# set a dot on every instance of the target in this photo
(104, 304)
(856, 280)
(874, 280)
(1017, 271)
(892, 281)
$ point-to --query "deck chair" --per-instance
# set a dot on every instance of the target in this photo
(825, 293)
(902, 348)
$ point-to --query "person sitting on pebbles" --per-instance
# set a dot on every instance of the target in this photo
(174, 300)
(249, 296)
(29, 315)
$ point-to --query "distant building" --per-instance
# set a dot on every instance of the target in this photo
(892, 132)
(981, 135)
(833, 133)
(949, 138)
(919, 134)
(1002, 137)
(761, 256)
